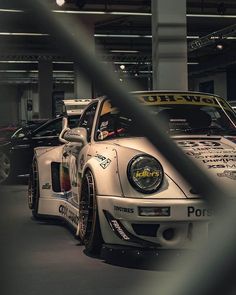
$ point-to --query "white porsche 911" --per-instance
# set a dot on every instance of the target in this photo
(115, 188)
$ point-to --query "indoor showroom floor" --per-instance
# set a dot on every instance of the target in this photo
(42, 258)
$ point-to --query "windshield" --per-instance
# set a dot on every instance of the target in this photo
(180, 113)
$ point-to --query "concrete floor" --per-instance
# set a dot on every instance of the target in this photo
(42, 258)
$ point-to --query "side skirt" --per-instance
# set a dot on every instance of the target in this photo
(60, 208)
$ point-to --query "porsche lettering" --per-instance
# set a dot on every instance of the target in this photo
(199, 212)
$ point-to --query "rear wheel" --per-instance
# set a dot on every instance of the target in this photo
(89, 226)
(5, 167)
(33, 189)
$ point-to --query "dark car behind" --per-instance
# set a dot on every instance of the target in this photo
(16, 153)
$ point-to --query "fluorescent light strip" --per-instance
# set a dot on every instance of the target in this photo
(32, 62)
(124, 51)
(132, 36)
(22, 34)
(13, 71)
(130, 63)
(211, 15)
(18, 62)
(11, 10)
(32, 71)
(192, 37)
(103, 12)
(63, 71)
(62, 62)
(121, 36)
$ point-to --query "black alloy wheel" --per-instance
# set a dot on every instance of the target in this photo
(5, 167)
(89, 225)
(33, 189)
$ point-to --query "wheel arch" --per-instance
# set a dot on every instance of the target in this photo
(107, 180)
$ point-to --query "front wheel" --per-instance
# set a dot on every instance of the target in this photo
(89, 225)
(33, 189)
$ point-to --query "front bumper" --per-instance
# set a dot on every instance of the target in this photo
(186, 224)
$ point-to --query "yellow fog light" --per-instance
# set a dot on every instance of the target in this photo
(145, 174)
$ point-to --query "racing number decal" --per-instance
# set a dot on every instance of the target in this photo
(190, 144)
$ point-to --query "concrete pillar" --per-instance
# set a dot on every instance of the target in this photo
(45, 78)
(83, 87)
(169, 45)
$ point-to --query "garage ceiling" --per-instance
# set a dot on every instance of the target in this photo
(125, 37)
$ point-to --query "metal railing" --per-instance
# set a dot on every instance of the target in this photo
(210, 272)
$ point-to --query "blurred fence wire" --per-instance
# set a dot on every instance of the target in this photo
(212, 271)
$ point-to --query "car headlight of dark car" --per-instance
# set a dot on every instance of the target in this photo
(145, 174)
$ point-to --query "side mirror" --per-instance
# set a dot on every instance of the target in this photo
(76, 135)
(64, 130)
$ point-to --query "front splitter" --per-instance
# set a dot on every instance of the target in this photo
(128, 256)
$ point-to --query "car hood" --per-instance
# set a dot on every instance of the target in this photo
(216, 155)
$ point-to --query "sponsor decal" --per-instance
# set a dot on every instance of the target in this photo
(46, 186)
(219, 166)
(67, 213)
(123, 234)
(119, 229)
(104, 162)
(165, 99)
(212, 154)
(199, 212)
(146, 173)
(228, 173)
(122, 209)
(193, 144)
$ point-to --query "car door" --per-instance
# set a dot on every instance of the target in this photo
(45, 135)
(74, 157)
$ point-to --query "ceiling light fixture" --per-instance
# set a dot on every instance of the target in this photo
(60, 2)
(220, 46)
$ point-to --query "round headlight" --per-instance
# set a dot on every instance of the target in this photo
(145, 174)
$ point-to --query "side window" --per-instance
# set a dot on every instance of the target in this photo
(51, 129)
(87, 119)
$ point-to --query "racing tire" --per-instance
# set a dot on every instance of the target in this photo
(33, 190)
(89, 225)
(5, 167)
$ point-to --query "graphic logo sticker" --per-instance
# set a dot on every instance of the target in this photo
(104, 162)
(228, 173)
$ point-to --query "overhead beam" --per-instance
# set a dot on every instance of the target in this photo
(211, 38)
